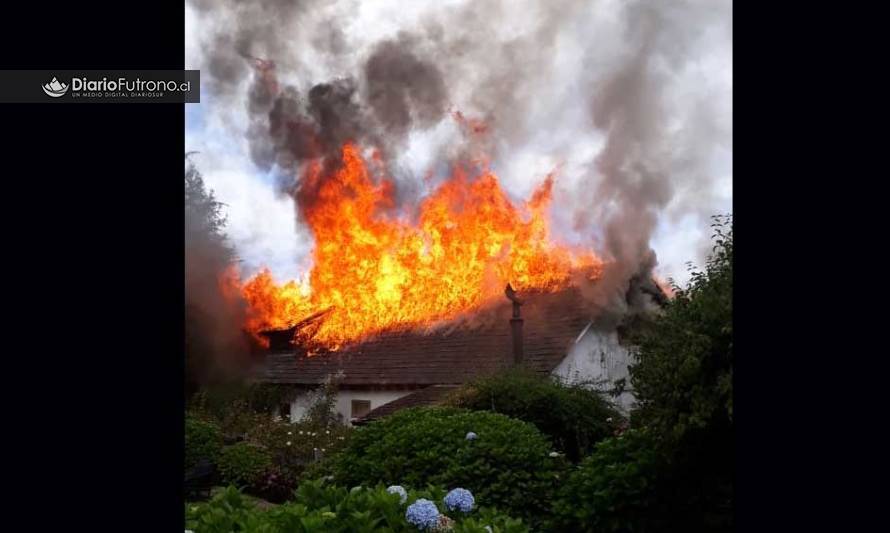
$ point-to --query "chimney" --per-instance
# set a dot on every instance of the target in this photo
(515, 325)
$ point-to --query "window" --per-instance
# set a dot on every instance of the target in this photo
(360, 408)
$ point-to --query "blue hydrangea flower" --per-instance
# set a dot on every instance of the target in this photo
(400, 490)
(460, 499)
(423, 514)
(471, 436)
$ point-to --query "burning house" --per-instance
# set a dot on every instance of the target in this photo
(550, 333)
(401, 309)
(386, 141)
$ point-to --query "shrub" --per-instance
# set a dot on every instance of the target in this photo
(683, 386)
(507, 466)
(321, 507)
(573, 417)
(242, 412)
(203, 440)
(244, 464)
(683, 375)
(616, 488)
(292, 448)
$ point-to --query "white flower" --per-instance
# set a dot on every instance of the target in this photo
(288, 443)
(327, 432)
(609, 419)
(554, 454)
(289, 433)
(322, 449)
(301, 432)
(488, 528)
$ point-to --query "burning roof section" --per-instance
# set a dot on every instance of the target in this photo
(446, 353)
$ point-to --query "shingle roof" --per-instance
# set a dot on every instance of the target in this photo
(427, 396)
(450, 353)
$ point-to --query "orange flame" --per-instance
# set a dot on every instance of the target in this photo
(375, 270)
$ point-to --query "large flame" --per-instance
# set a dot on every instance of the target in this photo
(375, 270)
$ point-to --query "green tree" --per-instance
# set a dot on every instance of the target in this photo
(213, 341)
(682, 380)
(683, 374)
(204, 218)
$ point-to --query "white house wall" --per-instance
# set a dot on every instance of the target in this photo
(598, 360)
(343, 407)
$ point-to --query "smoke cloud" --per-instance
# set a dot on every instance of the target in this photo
(630, 100)
(216, 347)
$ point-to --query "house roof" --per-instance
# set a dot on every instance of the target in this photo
(427, 396)
(448, 353)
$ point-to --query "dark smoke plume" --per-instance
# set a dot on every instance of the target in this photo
(403, 90)
(532, 71)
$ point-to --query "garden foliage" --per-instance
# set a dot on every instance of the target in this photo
(244, 464)
(203, 440)
(617, 488)
(508, 465)
(268, 454)
(322, 507)
(674, 473)
(683, 375)
(573, 417)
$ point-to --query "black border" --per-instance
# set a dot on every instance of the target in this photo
(93, 270)
(93, 285)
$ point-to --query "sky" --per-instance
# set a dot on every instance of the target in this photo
(693, 125)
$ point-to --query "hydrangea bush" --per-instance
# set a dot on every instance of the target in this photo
(423, 513)
(318, 506)
(507, 466)
(400, 490)
(459, 500)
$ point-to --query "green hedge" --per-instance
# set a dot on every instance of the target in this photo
(203, 440)
(319, 507)
(618, 488)
(508, 466)
(573, 417)
(244, 464)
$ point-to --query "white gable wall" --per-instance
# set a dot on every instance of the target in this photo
(598, 360)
